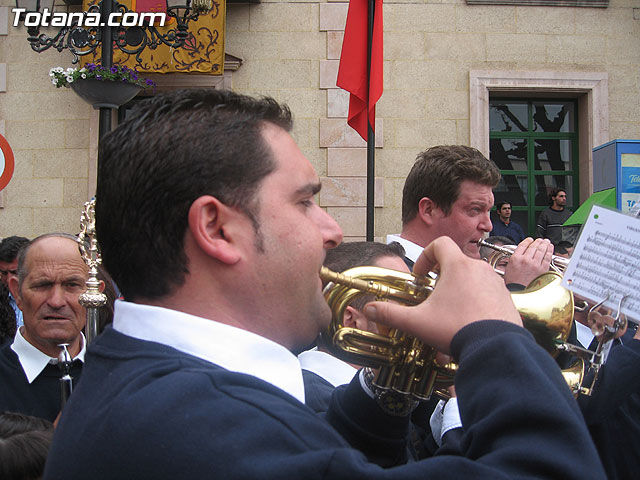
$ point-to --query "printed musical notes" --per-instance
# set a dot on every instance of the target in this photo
(606, 261)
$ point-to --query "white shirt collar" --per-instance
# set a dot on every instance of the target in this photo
(332, 369)
(231, 348)
(34, 361)
(412, 250)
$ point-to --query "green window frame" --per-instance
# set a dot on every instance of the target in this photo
(534, 142)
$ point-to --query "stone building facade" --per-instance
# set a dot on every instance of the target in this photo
(444, 59)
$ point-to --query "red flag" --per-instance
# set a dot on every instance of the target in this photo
(352, 74)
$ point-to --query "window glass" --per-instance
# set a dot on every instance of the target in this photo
(544, 185)
(513, 189)
(508, 116)
(553, 154)
(553, 117)
(509, 153)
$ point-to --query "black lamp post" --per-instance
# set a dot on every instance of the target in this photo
(82, 39)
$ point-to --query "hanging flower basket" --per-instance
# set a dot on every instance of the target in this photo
(104, 93)
(101, 87)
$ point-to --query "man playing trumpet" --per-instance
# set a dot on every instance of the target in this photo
(206, 216)
(449, 192)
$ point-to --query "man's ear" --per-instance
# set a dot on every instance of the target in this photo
(426, 210)
(209, 220)
(14, 288)
(353, 318)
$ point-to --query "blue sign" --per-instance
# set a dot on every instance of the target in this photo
(631, 179)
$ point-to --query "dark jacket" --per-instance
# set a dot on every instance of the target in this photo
(40, 398)
(146, 411)
(612, 412)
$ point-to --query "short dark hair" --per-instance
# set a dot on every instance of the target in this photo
(438, 173)
(554, 192)
(10, 246)
(357, 254)
(13, 423)
(499, 205)
(24, 445)
(172, 149)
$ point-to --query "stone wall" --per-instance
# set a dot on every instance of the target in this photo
(291, 51)
(48, 130)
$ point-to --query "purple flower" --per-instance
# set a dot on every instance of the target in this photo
(149, 82)
(114, 69)
(98, 77)
(91, 67)
(134, 76)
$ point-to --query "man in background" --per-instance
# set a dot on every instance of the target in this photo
(321, 370)
(552, 218)
(50, 276)
(9, 248)
(504, 226)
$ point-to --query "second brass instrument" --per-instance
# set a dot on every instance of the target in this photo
(406, 364)
(558, 264)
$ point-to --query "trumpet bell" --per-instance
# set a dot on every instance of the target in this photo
(574, 375)
(546, 309)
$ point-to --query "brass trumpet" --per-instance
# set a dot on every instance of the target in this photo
(558, 264)
(407, 365)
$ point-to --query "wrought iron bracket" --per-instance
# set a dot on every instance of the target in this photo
(81, 39)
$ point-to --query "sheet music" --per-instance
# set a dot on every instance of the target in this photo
(606, 261)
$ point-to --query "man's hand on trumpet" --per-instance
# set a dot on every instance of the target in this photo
(467, 291)
(531, 259)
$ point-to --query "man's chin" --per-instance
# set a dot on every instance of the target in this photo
(473, 251)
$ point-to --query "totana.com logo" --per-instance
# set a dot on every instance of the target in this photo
(47, 18)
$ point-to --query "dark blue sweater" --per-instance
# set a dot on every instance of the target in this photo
(40, 398)
(147, 411)
(613, 411)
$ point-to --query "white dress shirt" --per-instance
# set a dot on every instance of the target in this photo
(34, 361)
(412, 250)
(445, 417)
(332, 369)
(229, 347)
